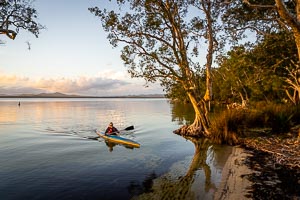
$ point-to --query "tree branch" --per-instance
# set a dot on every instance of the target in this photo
(286, 15)
(10, 33)
(258, 5)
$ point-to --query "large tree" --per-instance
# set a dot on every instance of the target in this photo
(16, 15)
(161, 41)
(264, 17)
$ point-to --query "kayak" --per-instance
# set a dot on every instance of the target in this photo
(118, 139)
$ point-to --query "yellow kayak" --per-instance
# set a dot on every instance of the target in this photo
(118, 139)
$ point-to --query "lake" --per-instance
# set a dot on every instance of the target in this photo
(46, 153)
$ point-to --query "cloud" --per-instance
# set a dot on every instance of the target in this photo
(99, 85)
(19, 90)
(79, 85)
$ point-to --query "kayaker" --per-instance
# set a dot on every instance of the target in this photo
(111, 130)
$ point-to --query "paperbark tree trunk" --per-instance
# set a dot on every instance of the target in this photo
(201, 123)
(291, 20)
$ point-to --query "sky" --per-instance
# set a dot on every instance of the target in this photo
(72, 55)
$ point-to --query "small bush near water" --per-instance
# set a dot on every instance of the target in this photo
(230, 125)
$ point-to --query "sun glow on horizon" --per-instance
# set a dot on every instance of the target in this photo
(117, 84)
(67, 57)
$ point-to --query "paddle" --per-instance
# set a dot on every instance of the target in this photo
(129, 128)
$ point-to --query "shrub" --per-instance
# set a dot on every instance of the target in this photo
(229, 125)
(278, 117)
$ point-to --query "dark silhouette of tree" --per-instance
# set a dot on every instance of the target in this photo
(16, 15)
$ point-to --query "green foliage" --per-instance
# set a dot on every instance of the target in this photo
(232, 76)
(176, 92)
(256, 72)
(240, 18)
(162, 39)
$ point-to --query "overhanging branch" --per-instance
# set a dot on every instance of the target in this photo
(10, 33)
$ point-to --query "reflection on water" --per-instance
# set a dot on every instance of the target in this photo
(10, 115)
(194, 182)
(182, 113)
(111, 145)
(182, 182)
(45, 153)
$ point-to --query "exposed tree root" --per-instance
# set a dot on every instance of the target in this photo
(192, 131)
(228, 137)
(199, 128)
(188, 131)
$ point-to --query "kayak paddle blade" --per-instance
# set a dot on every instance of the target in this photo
(129, 128)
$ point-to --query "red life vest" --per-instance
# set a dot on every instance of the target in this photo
(111, 130)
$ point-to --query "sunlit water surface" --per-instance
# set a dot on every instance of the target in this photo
(46, 153)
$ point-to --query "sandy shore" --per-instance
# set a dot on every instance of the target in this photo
(234, 183)
(253, 174)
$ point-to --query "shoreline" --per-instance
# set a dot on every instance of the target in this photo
(253, 174)
(234, 184)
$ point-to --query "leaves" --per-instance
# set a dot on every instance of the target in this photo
(256, 71)
(16, 15)
(160, 41)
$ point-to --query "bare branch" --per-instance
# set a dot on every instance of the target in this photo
(10, 33)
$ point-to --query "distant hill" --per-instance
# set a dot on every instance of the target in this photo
(61, 95)
(56, 95)
(41, 95)
(146, 96)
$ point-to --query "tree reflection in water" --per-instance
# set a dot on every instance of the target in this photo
(183, 187)
(195, 181)
(182, 113)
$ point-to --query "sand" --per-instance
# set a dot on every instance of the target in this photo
(234, 183)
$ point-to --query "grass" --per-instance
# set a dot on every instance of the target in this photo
(230, 125)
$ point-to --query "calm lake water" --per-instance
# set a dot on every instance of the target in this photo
(45, 153)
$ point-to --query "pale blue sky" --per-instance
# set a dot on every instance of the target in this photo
(72, 55)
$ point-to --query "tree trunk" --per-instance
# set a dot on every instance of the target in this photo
(245, 100)
(291, 20)
(294, 84)
(209, 56)
(201, 123)
(296, 29)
